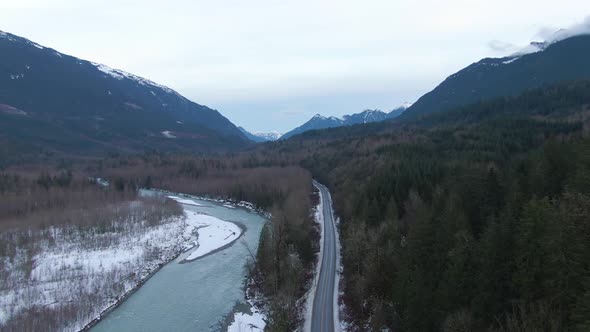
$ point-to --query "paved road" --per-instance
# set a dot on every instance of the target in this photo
(322, 319)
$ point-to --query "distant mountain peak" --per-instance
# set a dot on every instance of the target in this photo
(367, 116)
(260, 137)
(405, 105)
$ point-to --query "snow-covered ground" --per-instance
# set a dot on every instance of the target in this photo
(244, 322)
(184, 201)
(79, 274)
(213, 233)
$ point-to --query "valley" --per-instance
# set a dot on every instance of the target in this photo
(125, 206)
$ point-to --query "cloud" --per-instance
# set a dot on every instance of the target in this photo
(554, 35)
(501, 46)
(547, 34)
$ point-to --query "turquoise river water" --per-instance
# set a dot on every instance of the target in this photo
(192, 296)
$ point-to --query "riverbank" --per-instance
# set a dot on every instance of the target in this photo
(196, 295)
(248, 315)
(76, 273)
(203, 234)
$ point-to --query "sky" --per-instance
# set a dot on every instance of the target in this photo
(271, 65)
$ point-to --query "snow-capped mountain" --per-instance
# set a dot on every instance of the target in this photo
(260, 137)
(367, 116)
(542, 63)
(50, 101)
(271, 136)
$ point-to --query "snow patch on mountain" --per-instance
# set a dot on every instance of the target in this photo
(510, 60)
(168, 134)
(120, 75)
(270, 136)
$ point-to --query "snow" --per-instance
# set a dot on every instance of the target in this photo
(229, 206)
(120, 75)
(184, 201)
(271, 136)
(72, 266)
(246, 323)
(109, 71)
(510, 61)
(168, 134)
(213, 233)
(406, 105)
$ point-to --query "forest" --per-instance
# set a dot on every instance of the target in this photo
(65, 195)
(473, 220)
(476, 219)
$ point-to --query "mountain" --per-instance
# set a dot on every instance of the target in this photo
(52, 102)
(367, 116)
(261, 137)
(540, 64)
(316, 122)
(398, 110)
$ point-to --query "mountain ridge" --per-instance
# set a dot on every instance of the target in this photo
(260, 137)
(549, 63)
(319, 121)
(64, 97)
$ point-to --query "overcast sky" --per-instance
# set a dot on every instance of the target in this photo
(271, 65)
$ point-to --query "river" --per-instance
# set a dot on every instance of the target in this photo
(193, 296)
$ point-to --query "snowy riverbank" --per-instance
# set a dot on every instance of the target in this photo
(212, 233)
(81, 274)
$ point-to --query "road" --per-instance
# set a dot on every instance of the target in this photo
(325, 306)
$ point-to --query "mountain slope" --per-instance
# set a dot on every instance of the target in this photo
(50, 99)
(494, 77)
(317, 122)
(367, 116)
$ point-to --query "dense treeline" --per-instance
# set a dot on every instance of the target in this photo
(27, 199)
(477, 219)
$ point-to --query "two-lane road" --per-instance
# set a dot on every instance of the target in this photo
(324, 312)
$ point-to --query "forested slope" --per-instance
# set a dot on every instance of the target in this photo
(474, 219)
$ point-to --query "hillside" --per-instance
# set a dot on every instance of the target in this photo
(476, 218)
(564, 60)
(52, 103)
